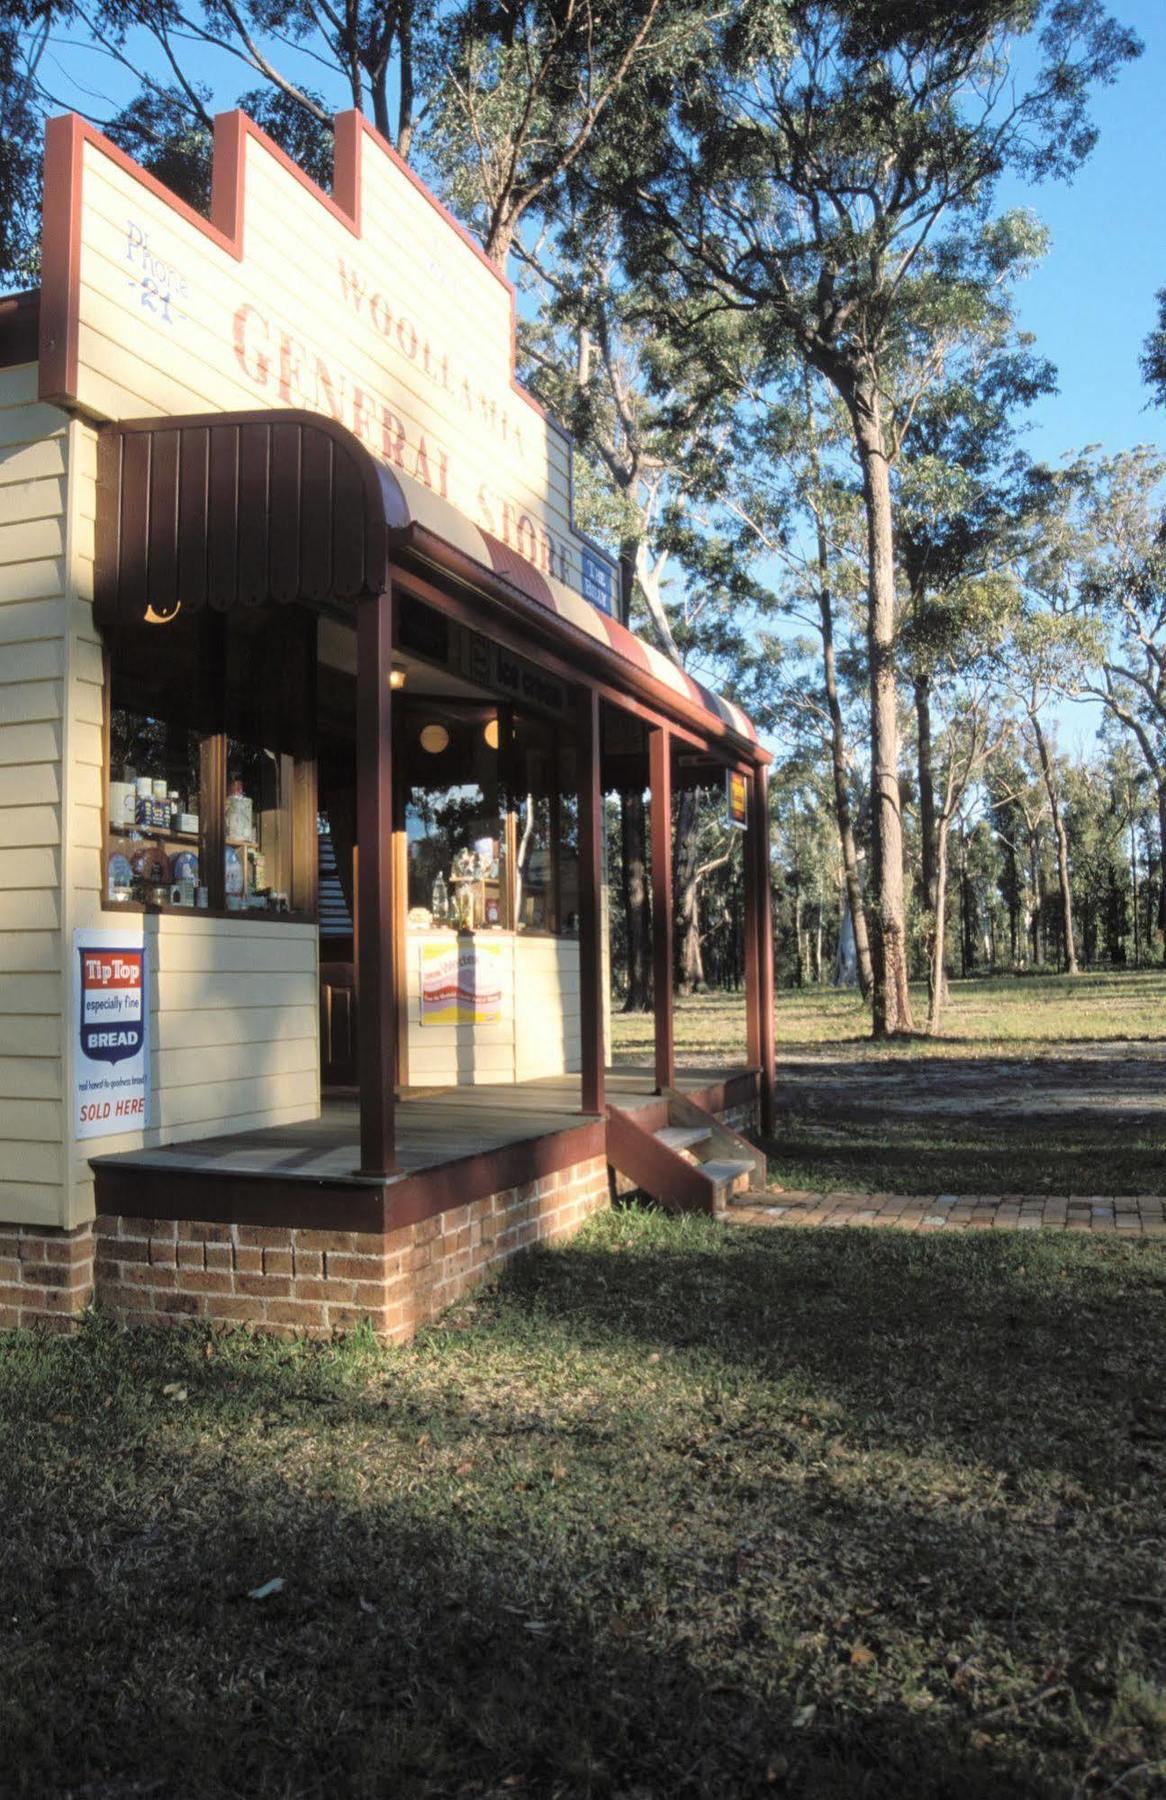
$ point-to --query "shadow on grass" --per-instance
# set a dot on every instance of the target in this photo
(673, 1511)
(416, 1659)
(1062, 1125)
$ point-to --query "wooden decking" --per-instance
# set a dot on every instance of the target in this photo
(434, 1129)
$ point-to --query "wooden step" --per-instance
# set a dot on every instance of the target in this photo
(682, 1137)
(721, 1174)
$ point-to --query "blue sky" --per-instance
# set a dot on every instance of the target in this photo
(1091, 302)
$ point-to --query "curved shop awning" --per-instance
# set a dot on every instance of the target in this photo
(237, 509)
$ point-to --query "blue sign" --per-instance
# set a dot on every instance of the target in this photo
(598, 582)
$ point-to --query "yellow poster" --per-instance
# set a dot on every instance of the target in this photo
(462, 984)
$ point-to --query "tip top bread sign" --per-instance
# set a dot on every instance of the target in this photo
(369, 305)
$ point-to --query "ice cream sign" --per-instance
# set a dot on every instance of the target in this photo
(111, 1051)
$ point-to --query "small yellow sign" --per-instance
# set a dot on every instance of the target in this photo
(737, 799)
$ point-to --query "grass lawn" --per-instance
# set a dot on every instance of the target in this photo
(675, 1511)
(1039, 1085)
(1036, 1014)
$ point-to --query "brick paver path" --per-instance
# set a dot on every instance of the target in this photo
(1138, 1215)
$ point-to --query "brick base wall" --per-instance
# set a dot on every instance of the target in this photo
(46, 1276)
(294, 1282)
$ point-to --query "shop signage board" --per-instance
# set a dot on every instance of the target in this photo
(464, 983)
(492, 665)
(111, 1051)
(369, 305)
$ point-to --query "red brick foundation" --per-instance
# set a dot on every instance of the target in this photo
(46, 1276)
(291, 1282)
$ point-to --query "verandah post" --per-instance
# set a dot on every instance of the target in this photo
(759, 807)
(376, 1001)
(593, 1097)
(753, 859)
(660, 782)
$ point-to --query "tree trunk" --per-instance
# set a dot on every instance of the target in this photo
(690, 957)
(637, 918)
(1161, 787)
(405, 78)
(891, 995)
(1134, 887)
(963, 893)
(927, 821)
(837, 730)
(928, 849)
(938, 984)
(1037, 898)
(800, 961)
(1046, 765)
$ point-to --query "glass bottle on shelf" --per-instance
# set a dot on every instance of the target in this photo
(439, 901)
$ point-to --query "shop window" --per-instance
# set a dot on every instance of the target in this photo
(490, 823)
(454, 822)
(211, 793)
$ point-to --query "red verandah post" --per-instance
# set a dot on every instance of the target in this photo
(660, 781)
(755, 849)
(593, 1096)
(759, 799)
(376, 1001)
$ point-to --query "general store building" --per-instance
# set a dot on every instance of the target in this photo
(310, 694)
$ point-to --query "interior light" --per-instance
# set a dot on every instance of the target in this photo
(397, 676)
(434, 738)
(491, 733)
(162, 618)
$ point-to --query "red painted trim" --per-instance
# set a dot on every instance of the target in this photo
(628, 676)
(634, 1150)
(60, 259)
(65, 138)
(157, 1190)
(766, 1022)
(592, 1005)
(660, 784)
(376, 1008)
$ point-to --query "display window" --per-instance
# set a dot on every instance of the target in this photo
(490, 828)
(455, 821)
(210, 791)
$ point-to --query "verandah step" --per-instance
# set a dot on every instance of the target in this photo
(722, 1173)
(682, 1137)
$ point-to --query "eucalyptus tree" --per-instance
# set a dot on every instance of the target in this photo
(828, 172)
(967, 505)
(798, 508)
(525, 88)
(1017, 807)
(1045, 655)
(1106, 560)
(974, 728)
(25, 30)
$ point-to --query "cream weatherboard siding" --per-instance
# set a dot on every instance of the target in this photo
(35, 443)
(402, 333)
(538, 1033)
(546, 1007)
(233, 1002)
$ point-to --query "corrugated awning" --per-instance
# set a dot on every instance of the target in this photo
(238, 509)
